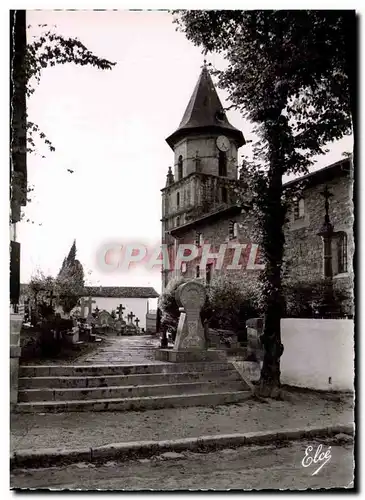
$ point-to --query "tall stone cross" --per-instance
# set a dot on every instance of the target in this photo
(136, 321)
(90, 303)
(120, 310)
(327, 232)
(130, 317)
(326, 195)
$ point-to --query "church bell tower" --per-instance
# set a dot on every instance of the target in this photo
(205, 163)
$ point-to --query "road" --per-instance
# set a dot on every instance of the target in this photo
(259, 467)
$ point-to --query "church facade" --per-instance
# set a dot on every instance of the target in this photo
(199, 205)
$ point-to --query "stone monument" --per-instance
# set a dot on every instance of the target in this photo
(130, 328)
(190, 343)
(190, 332)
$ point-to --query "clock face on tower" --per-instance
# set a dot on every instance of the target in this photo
(223, 143)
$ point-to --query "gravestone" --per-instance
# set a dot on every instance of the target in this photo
(83, 305)
(105, 320)
(90, 303)
(90, 320)
(190, 344)
(118, 326)
(123, 326)
(130, 328)
(190, 332)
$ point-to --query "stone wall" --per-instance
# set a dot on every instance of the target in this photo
(303, 247)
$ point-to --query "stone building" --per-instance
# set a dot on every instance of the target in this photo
(199, 206)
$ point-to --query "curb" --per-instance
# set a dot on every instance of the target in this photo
(144, 449)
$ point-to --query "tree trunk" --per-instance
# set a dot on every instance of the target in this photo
(273, 250)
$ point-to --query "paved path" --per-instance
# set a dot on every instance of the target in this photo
(123, 350)
(87, 429)
(255, 467)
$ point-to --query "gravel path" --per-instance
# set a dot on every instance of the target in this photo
(72, 430)
(254, 467)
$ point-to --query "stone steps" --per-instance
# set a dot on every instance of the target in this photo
(139, 403)
(63, 388)
(84, 382)
(104, 370)
(45, 395)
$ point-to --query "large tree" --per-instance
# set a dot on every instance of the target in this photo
(69, 283)
(292, 75)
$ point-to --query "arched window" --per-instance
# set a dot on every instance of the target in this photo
(180, 168)
(177, 200)
(222, 163)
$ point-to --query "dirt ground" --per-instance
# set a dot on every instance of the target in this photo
(255, 467)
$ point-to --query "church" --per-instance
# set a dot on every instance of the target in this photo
(199, 204)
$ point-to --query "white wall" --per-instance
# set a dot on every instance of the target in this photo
(317, 350)
(137, 306)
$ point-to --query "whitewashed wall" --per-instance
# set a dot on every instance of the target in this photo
(137, 306)
(318, 353)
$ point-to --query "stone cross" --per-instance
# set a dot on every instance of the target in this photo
(83, 305)
(326, 195)
(136, 321)
(90, 303)
(120, 310)
(130, 317)
(190, 332)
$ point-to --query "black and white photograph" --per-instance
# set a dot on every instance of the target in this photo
(183, 231)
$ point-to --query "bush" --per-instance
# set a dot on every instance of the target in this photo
(316, 299)
(169, 307)
(230, 304)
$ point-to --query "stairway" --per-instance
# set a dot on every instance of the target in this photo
(128, 387)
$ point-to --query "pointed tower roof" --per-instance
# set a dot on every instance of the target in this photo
(205, 113)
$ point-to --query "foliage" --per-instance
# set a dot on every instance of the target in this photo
(290, 73)
(70, 281)
(40, 287)
(168, 305)
(314, 299)
(229, 305)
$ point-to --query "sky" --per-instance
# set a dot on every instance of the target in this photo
(109, 128)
